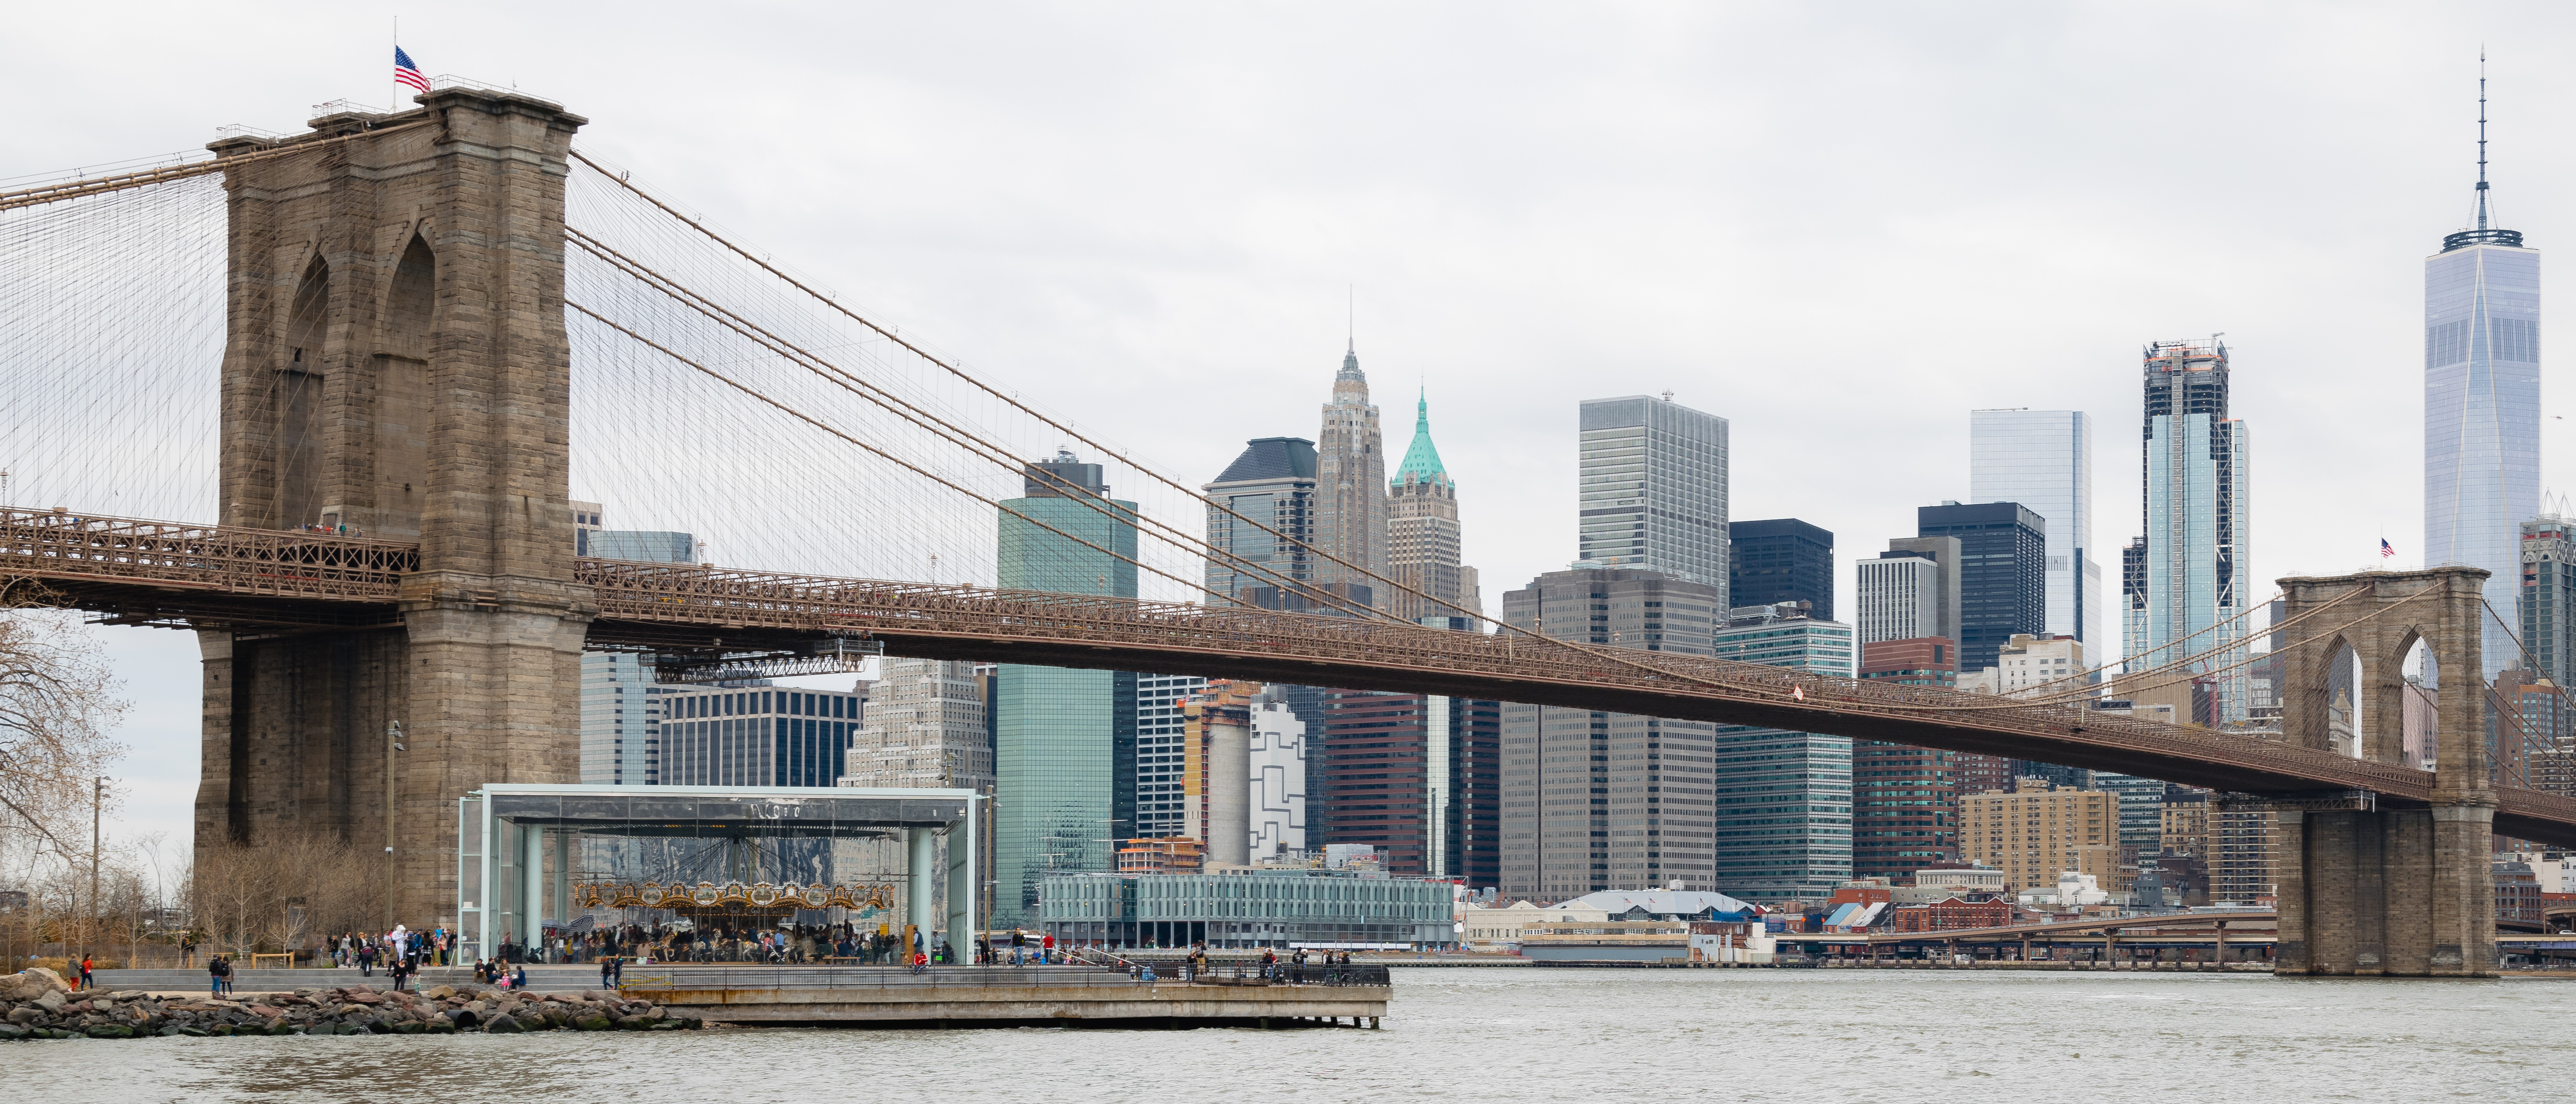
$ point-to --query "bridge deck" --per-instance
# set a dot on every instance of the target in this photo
(141, 572)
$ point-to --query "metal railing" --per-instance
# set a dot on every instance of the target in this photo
(682, 977)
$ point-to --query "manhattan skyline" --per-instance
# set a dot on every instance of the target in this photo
(1689, 227)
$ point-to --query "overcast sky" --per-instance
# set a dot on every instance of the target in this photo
(1839, 227)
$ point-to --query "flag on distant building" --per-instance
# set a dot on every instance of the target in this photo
(407, 72)
(2384, 550)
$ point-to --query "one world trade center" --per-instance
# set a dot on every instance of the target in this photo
(2482, 405)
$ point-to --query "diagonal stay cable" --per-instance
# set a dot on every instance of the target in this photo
(891, 335)
(809, 420)
(848, 381)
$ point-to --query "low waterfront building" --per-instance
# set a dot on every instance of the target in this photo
(1666, 904)
(1279, 909)
(1494, 929)
(1947, 914)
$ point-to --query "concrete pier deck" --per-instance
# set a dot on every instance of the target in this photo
(999, 996)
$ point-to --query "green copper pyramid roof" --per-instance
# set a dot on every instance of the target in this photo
(1422, 460)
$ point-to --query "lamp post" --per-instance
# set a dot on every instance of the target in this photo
(97, 795)
(393, 743)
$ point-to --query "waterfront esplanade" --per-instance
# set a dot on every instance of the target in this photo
(741, 851)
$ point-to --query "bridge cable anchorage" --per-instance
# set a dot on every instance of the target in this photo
(1624, 657)
(974, 443)
(810, 420)
(2247, 662)
(2082, 691)
(75, 189)
(2565, 757)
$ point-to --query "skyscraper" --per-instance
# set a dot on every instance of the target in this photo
(621, 721)
(1271, 484)
(2482, 401)
(2548, 613)
(1414, 776)
(1423, 539)
(1064, 741)
(1162, 756)
(1781, 560)
(1654, 489)
(1350, 485)
(621, 713)
(924, 729)
(2003, 585)
(2043, 459)
(1594, 801)
(1783, 799)
(1905, 799)
(1898, 596)
(2195, 563)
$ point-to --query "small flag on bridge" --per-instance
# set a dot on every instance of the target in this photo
(407, 72)
(2384, 550)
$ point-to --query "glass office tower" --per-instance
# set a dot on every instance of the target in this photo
(2482, 404)
(2043, 459)
(1654, 489)
(2195, 565)
(1064, 741)
(1784, 799)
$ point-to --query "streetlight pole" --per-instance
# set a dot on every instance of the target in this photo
(393, 743)
(97, 796)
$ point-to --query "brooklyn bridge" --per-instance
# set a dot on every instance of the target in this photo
(408, 301)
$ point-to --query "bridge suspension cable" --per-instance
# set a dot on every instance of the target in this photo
(810, 420)
(891, 334)
(117, 182)
(946, 429)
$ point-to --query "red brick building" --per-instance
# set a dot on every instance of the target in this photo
(1905, 799)
(1951, 914)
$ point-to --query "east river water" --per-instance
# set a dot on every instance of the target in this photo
(1486, 1035)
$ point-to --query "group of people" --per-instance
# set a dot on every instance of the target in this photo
(494, 972)
(1022, 950)
(716, 941)
(400, 952)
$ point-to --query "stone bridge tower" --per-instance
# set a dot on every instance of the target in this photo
(2393, 892)
(395, 362)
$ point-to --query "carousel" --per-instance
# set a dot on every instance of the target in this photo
(717, 858)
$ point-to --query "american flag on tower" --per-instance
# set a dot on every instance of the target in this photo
(2384, 550)
(407, 72)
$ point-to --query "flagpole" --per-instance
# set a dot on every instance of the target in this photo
(397, 100)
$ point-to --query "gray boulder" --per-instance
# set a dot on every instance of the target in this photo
(31, 984)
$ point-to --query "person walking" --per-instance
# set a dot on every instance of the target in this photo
(214, 975)
(617, 972)
(85, 978)
(607, 967)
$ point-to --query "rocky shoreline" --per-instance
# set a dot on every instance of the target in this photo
(37, 1005)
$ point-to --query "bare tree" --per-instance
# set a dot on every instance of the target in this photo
(58, 702)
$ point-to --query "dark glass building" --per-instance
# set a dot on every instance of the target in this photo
(2003, 574)
(1417, 776)
(1781, 560)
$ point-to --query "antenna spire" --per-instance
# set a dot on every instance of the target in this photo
(2482, 138)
